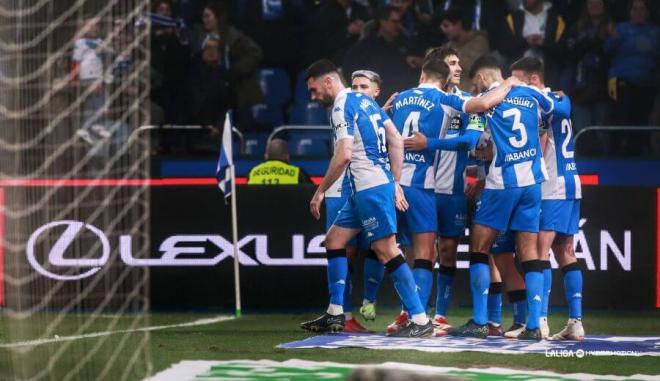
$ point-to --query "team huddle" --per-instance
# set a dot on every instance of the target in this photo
(398, 179)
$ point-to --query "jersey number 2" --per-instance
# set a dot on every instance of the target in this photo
(567, 129)
(515, 142)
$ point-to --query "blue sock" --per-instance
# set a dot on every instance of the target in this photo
(518, 300)
(534, 285)
(348, 307)
(495, 303)
(373, 275)
(404, 283)
(337, 274)
(573, 289)
(547, 286)
(446, 276)
(423, 274)
(479, 283)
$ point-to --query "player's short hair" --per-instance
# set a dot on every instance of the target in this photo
(484, 62)
(320, 68)
(440, 53)
(529, 65)
(436, 69)
(454, 15)
(368, 74)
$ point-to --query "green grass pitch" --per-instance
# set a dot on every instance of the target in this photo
(255, 336)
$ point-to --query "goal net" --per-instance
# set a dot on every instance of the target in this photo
(74, 90)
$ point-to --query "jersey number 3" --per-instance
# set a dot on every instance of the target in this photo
(514, 141)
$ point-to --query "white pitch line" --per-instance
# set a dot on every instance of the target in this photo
(57, 339)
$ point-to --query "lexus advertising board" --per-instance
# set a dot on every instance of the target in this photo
(283, 259)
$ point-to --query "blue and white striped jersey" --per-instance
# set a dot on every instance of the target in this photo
(356, 116)
(514, 125)
(450, 168)
(428, 110)
(563, 180)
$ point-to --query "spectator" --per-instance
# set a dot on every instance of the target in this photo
(480, 15)
(416, 21)
(585, 46)
(169, 60)
(87, 71)
(276, 170)
(386, 53)
(336, 26)
(469, 44)
(536, 30)
(634, 48)
(241, 55)
(209, 94)
(273, 25)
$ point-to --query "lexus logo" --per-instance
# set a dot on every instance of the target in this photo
(202, 250)
(56, 254)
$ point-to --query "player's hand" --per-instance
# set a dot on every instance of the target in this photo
(414, 62)
(390, 100)
(485, 153)
(315, 204)
(473, 190)
(560, 93)
(417, 142)
(399, 198)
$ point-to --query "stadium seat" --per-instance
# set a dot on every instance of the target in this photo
(267, 115)
(310, 144)
(310, 113)
(302, 94)
(276, 86)
(255, 144)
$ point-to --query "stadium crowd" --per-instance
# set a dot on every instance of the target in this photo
(603, 53)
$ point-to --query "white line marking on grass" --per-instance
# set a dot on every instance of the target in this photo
(57, 339)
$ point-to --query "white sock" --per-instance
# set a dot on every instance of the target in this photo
(438, 316)
(335, 309)
(420, 319)
(348, 315)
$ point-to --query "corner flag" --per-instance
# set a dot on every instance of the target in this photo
(225, 160)
(225, 174)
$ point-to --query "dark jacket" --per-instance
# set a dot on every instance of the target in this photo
(327, 35)
(385, 58)
(241, 57)
(554, 44)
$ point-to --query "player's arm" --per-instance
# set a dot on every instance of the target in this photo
(466, 142)
(337, 166)
(491, 98)
(395, 152)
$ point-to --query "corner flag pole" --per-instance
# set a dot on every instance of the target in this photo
(234, 230)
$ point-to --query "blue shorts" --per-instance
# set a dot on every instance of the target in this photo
(561, 216)
(332, 207)
(371, 210)
(419, 218)
(451, 214)
(504, 243)
(517, 209)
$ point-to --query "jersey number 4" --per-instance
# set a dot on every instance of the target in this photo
(380, 133)
(517, 125)
(411, 124)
